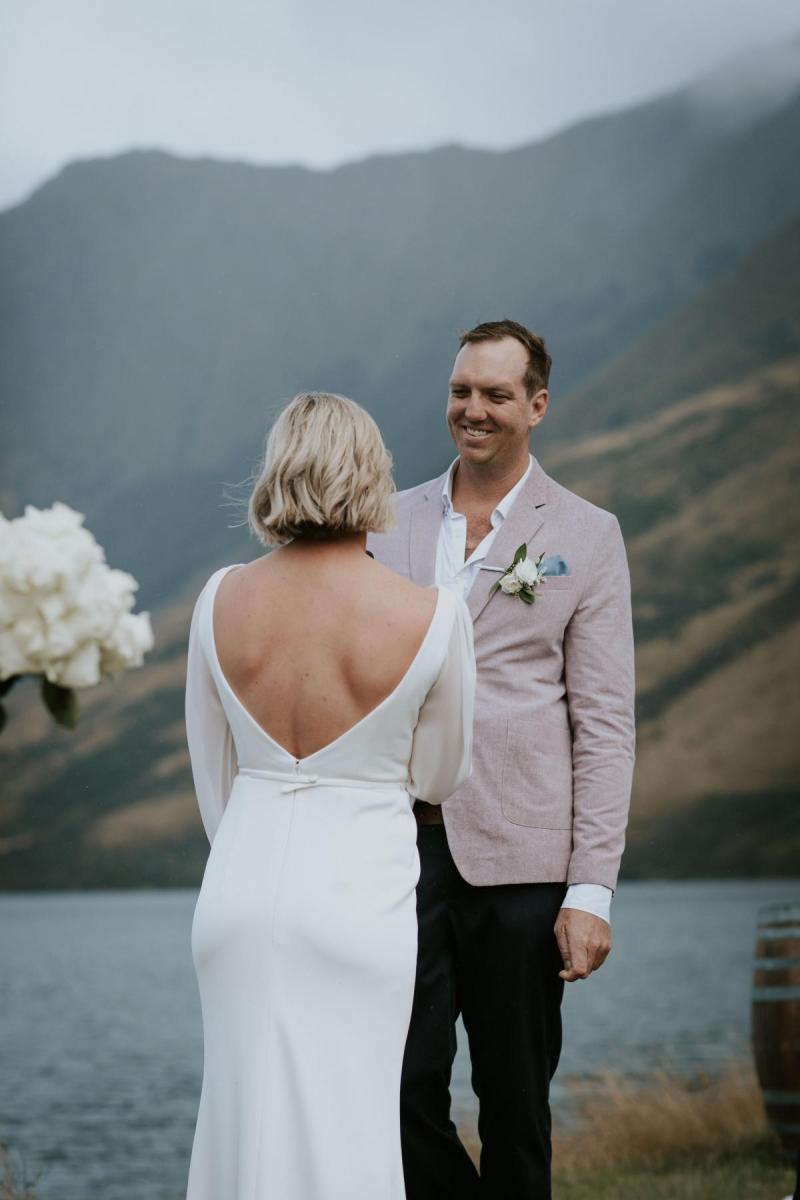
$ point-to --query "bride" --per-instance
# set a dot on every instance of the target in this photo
(324, 693)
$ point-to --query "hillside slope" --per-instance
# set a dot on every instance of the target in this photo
(154, 310)
(704, 482)
(706, 488)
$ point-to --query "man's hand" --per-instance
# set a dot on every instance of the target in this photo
(584, 941)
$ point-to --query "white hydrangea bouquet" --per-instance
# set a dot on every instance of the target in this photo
(65, 615)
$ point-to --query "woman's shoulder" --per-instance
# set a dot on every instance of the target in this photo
(424, 598)
(209, 588)
(403, 591)
(438, 613)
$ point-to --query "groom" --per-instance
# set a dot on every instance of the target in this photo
(518, 867)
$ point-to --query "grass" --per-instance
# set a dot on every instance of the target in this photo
(14, 1181)
(738, 1179)
(672, 1139)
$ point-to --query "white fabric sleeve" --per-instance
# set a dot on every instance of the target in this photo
(211, 747)
(441, 755)
(593, 898)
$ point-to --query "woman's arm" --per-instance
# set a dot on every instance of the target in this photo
(211, 747)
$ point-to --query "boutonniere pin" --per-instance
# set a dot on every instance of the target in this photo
(525, 574)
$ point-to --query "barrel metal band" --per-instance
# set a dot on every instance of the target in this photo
(781, 1098)
(785, 1127)
(777, 964)
(763, 995)
(777, 935)
(782, 911)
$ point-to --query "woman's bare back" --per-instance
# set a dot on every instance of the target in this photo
(314, 636)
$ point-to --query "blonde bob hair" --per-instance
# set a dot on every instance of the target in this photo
(326, 472)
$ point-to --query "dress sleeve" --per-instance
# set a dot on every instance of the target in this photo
(441, 755)
(211, 748)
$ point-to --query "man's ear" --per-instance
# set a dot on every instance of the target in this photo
(538, 402)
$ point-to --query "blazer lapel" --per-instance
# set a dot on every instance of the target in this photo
(424, 527)
(524, 519)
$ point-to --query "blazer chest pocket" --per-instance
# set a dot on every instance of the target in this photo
(536, 788)
(556, 583)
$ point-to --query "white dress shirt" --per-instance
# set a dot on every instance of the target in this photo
(453, 572)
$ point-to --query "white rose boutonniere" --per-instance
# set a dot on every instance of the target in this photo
(525, 574)
(509, 584)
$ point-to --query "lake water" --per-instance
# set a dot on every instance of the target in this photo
(101, 1040)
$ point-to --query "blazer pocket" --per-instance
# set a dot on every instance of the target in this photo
(536, 788)
(556, 583)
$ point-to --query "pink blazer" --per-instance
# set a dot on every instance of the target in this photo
(554, 734)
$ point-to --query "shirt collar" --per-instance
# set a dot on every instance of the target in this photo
(501, 511)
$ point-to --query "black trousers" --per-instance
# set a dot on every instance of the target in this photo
(489, 954)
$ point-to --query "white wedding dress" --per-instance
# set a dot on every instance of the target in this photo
(304, 936)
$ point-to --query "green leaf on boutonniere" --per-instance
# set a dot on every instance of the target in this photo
(528, 597)
(7, 684)
(521, 555)
(495, 587)
(61, 702)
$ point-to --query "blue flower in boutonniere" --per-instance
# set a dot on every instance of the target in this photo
(525, 574)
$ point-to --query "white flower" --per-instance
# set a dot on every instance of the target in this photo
(64, 613)
(130, 641)
(81, 670)
(510, 584)
(527, 572)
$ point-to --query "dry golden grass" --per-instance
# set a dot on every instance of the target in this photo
(14, 1181)
(669, 1121)
(673, 1137)
(670, 1140)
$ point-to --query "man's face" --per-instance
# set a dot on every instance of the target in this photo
(489, 413)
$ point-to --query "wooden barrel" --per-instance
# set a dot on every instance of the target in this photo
(776, 1018)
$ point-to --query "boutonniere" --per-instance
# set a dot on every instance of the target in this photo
(525, 574)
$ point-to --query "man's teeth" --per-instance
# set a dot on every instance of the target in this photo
(477, 432)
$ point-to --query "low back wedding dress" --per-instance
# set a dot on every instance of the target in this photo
(304, 935)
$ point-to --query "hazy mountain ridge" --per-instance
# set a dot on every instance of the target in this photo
(688, 433)
(162, 307)
(703, 485)
(706, 489)
(754, 321)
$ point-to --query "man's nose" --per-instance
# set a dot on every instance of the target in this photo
(475, 410)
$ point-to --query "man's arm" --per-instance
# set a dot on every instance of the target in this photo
(600, 681)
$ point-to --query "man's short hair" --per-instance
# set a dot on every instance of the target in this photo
(537, 375)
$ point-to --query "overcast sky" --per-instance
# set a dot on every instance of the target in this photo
(325, 81)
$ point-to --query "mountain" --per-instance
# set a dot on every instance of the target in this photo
(154, 311)
(704, 481)
(754, 320)
(703, 470)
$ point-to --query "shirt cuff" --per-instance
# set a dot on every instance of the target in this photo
(593, 898)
